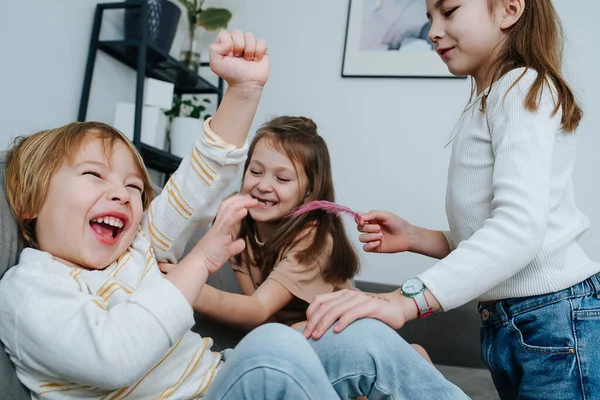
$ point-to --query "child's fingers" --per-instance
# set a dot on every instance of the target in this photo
(250, 47)
(165, 268)
(261, 50)
(223, 45)
(369, 237)
(367, 217)
(373, 215)
(236, 202)
(238, 43)
(369, 228)
(234, 209)
(236, 247)
(372, 246)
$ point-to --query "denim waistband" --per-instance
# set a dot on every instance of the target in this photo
(492, 312)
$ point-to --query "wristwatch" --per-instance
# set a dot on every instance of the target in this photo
(415, 289)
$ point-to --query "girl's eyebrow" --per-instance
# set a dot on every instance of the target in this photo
(438, 4)
(277, 167)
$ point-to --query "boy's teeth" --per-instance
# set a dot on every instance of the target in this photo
(112, 221)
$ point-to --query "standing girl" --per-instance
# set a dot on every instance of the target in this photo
(287, 261)
(514, 224)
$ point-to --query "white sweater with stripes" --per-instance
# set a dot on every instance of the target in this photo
(122, 332)
(510, 202)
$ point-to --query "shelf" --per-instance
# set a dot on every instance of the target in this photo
(159, 65)
(159, 160)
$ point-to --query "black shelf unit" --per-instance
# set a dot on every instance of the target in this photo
(148, 61)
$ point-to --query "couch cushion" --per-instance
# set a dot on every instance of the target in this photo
(475, 382)
(10, 387)
(9, 237)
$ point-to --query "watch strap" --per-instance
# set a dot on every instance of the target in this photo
(422, 304)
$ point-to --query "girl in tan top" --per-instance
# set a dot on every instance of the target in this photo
(286, 262)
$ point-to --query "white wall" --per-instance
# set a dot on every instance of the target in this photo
(45, 47)
(386, 136)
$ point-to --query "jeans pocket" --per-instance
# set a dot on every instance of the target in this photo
(587, 325)
(546, 329)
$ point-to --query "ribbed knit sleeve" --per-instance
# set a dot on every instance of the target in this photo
(190, 199)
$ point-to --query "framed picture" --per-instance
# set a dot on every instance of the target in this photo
(388, 38)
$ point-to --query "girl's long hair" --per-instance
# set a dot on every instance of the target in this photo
(536, 41)
(297, 138)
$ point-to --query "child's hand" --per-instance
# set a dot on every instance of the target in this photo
(165, 268)
(219, 244)
(384, 232)
(240, 59)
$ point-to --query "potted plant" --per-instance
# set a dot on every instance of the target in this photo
(211, 19)
(186, 118)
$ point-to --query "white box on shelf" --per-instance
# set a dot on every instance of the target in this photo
(154, 124)
(158, 93)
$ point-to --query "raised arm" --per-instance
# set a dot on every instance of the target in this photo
(190, 199)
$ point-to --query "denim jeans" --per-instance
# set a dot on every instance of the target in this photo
(367, 358)
(545, 347)
(273, 362)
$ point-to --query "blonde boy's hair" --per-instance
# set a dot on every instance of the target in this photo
(33, 160)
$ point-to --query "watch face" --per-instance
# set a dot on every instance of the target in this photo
(412, 286)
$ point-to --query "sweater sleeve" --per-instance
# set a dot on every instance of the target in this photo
(60, 331)
(522, 144)
(190, 198)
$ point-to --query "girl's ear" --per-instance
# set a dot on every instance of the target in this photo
(513, 9)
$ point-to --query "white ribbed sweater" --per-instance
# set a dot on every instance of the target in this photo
(510, 202)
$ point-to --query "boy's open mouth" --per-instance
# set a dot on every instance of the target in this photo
(108, 227)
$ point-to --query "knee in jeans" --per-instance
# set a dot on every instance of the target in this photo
(373, 331)
(282, 337)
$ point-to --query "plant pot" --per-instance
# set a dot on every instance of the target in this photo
(191, 59)
(163, 18)
(184, 131)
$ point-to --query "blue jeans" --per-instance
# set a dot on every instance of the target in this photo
(545, 347)
(367, 358)
(273, 362)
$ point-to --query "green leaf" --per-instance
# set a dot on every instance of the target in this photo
(206, 100)
(187, 3)
(213, 19)
(195, 113)
(207, 116)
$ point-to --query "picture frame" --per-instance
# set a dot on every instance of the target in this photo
(388, 39)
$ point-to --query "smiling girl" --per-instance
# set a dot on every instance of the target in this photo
(514, 222)
(287, 261)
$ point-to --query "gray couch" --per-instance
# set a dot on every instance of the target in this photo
(450, 338)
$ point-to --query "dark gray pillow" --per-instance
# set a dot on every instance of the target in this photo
(9, 237)
(10, 387)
